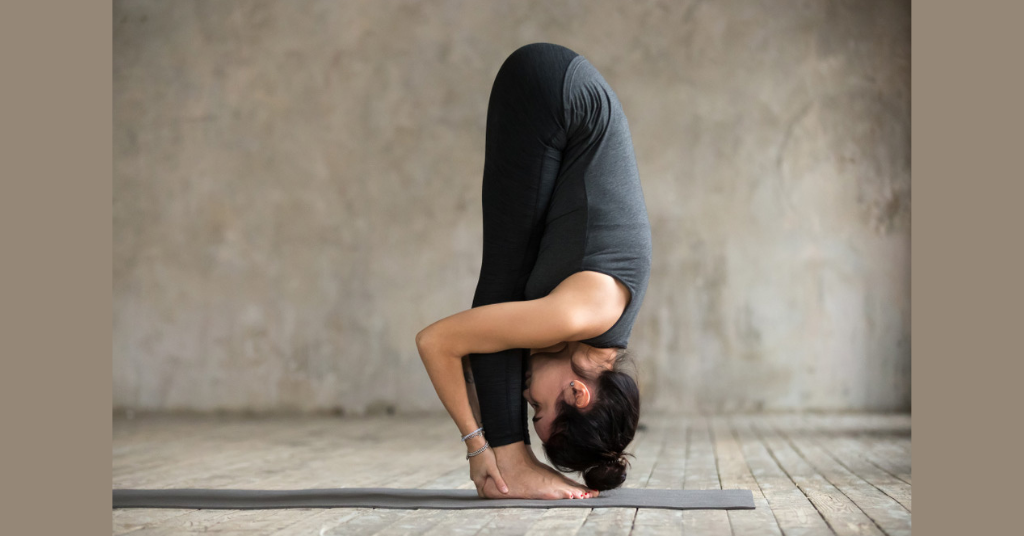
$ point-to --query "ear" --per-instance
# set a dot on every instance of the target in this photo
(579, 393)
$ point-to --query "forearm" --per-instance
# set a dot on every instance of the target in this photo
(446, 374)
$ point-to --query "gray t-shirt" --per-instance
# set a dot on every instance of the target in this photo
(597, 219)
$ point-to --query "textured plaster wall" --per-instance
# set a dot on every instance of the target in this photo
(297, 193)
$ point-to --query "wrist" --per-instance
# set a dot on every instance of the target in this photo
(475, 443)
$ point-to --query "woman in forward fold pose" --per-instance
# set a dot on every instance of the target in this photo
(566, 259)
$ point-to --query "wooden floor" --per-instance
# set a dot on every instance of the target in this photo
(810, 474)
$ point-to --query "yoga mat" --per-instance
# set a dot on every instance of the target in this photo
(413, 499)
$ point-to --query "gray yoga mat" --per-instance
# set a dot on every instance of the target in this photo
(412, 499)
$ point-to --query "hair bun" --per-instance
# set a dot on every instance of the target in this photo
(609, 474)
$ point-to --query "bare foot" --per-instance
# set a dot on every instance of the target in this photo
(571, 482)
(530, 482)
(527, 480)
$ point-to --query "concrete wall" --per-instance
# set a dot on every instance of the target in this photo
(297, 193)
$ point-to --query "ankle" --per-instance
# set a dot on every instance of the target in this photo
(512, 453)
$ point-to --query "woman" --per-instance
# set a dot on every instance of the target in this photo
(566, 258)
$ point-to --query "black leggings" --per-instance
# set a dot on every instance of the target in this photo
(523, 151)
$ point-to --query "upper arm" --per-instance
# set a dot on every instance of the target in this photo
(500, 326)
(577, 309)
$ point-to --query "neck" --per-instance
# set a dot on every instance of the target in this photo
(597, 358)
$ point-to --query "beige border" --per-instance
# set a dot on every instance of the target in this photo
(966, 268)
(55, 223)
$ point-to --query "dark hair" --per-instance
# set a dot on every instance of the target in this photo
(592, 441)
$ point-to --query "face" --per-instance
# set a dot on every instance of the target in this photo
(548, 381)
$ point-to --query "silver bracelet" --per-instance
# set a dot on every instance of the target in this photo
(474, 433)
(478, 451)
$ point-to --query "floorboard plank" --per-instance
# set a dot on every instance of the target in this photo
(668, 472)
(793, 512)
(734, 473)
(853, 470)
(888, 457)
(320, 521)
(887, 513)
(842, 515)
(426, 519)
(429, 474)
(559, 521)
(462, 523)
(512, 521)
(608, 522)
(219, 520)
(857, 462)
(702, 473)
(374, 521)
(128, 520)
(209, 444)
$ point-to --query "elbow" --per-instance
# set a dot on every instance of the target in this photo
(429, 343)
(424, 340)
(421, 338)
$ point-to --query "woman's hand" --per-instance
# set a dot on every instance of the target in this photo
(482, 467)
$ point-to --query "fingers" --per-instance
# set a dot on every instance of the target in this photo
(500, 482)
(489, 490)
